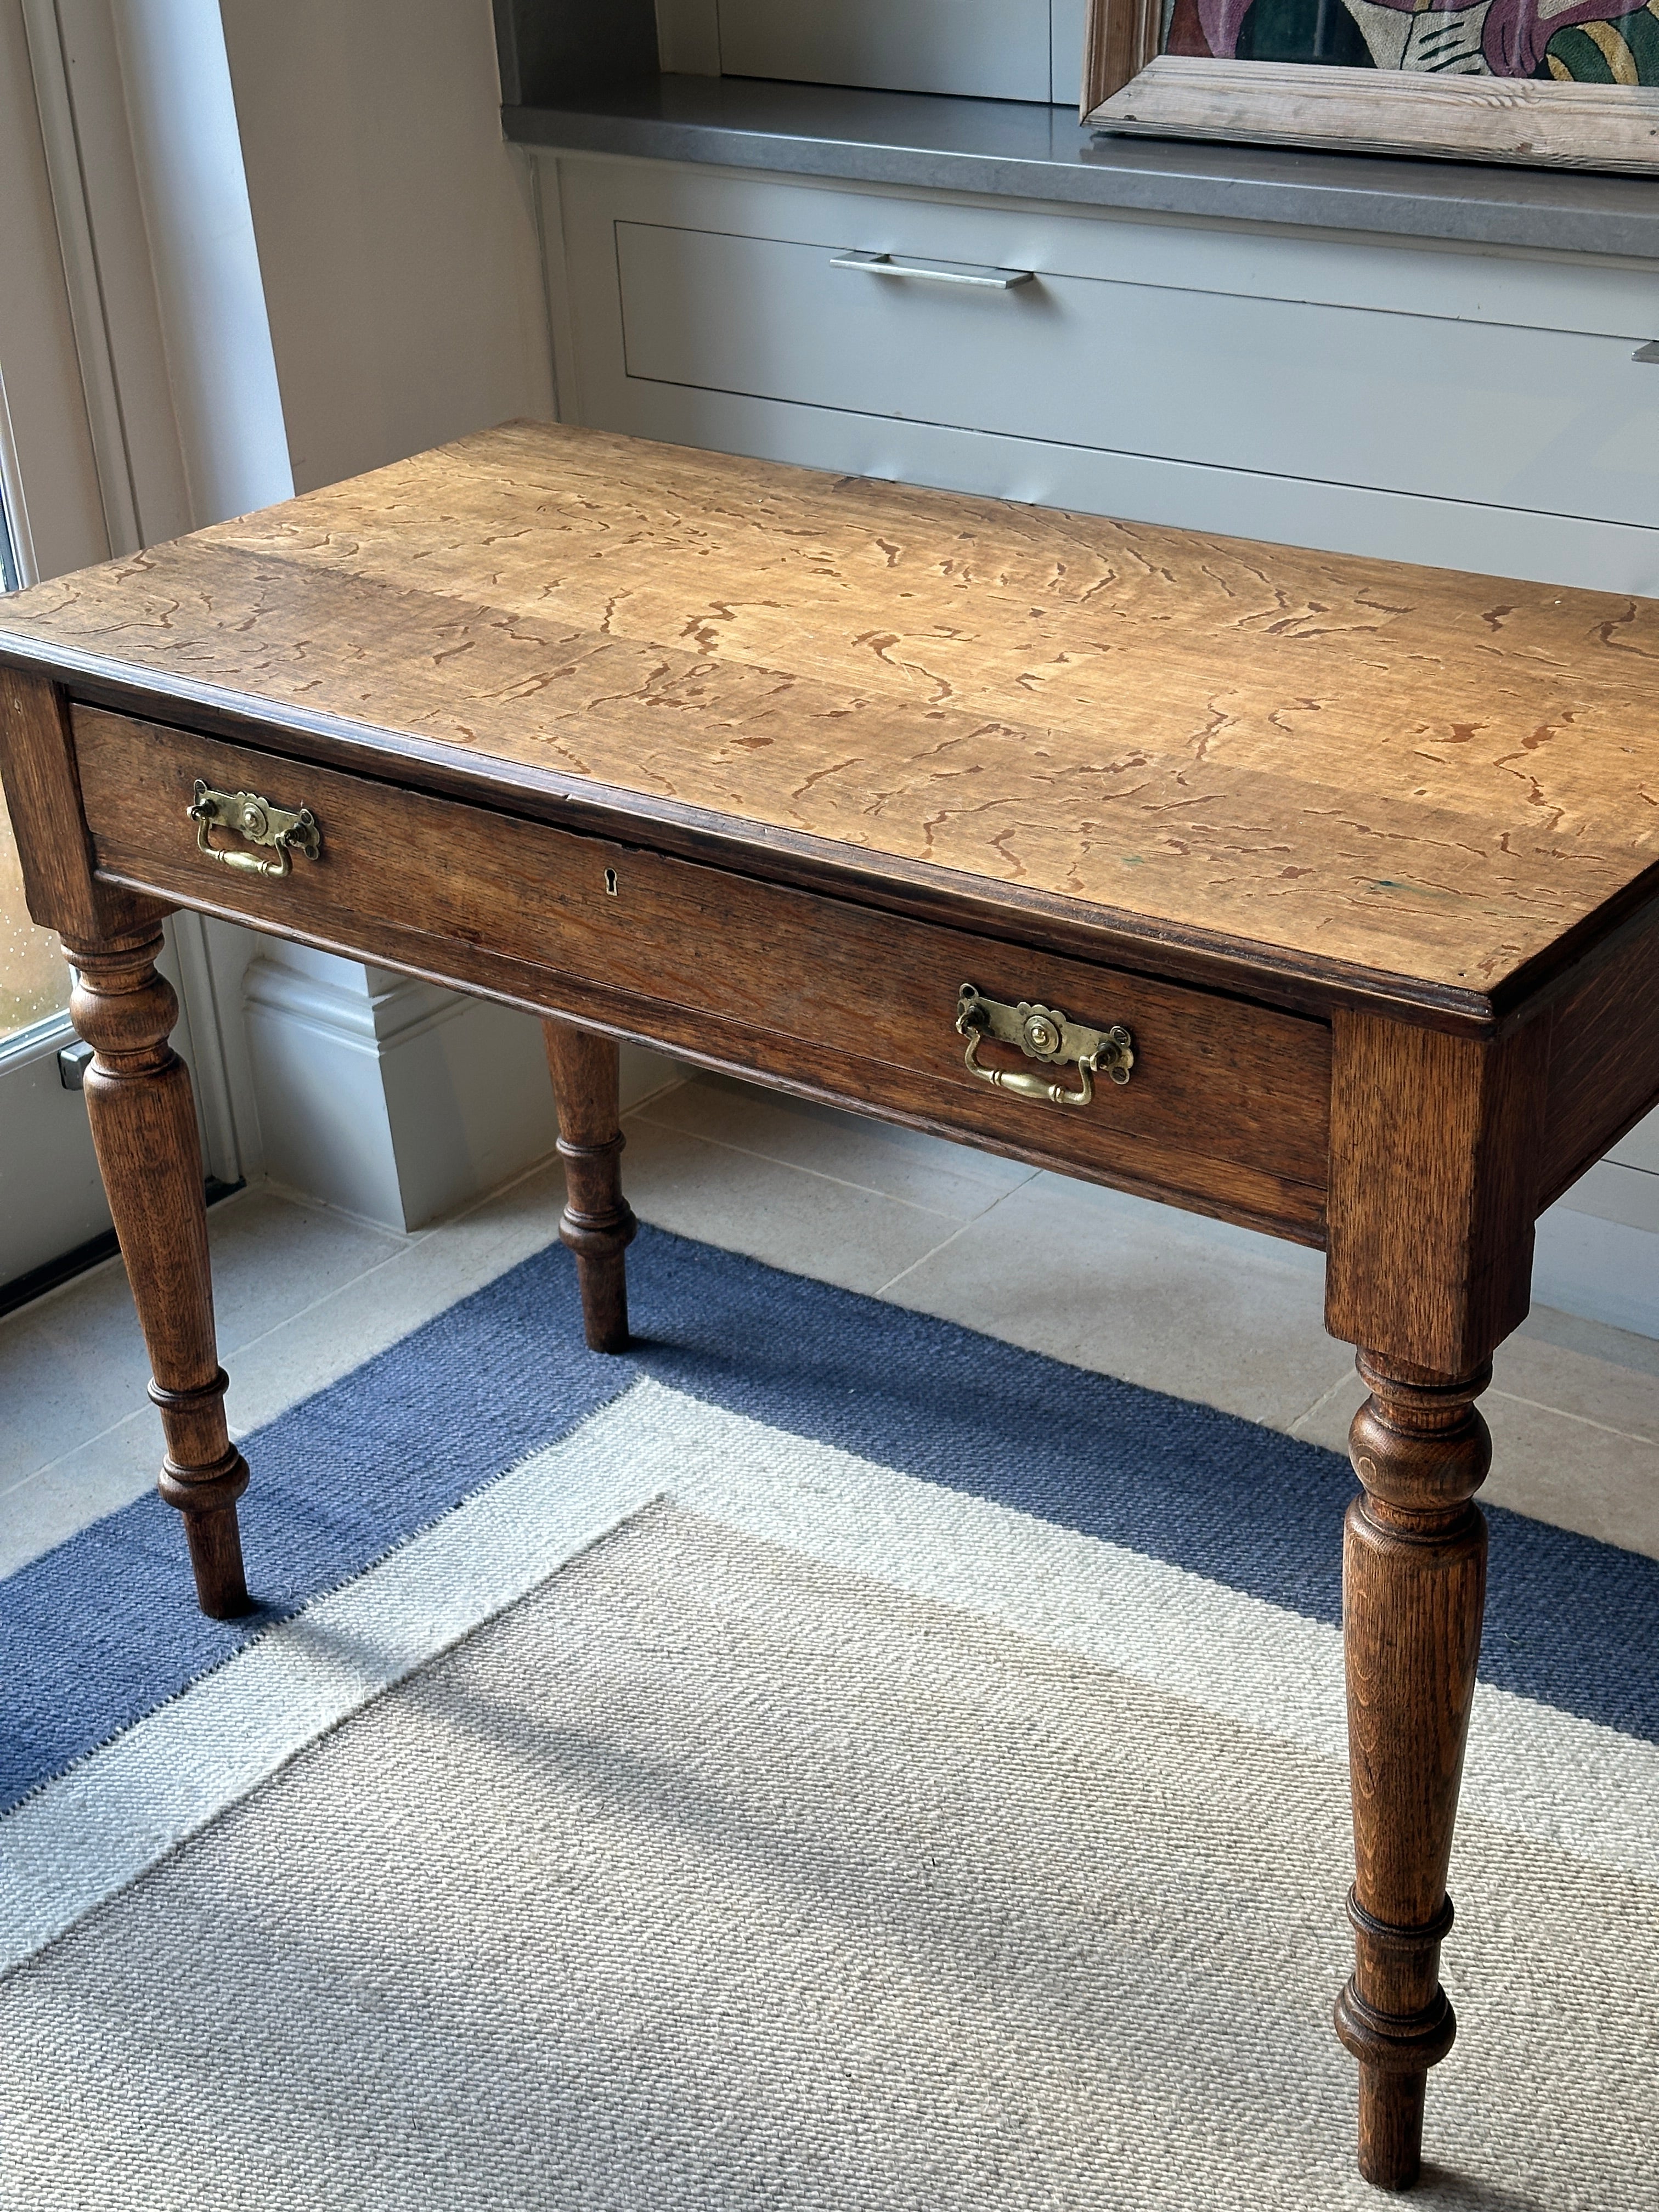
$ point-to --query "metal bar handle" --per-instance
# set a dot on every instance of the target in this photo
(935, 272)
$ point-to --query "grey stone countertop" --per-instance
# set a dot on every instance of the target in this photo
(1015, 149)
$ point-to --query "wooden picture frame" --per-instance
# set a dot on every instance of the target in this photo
(1130, 86)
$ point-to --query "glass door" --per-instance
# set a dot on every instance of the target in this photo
(52, 1215)
(70, 469)
(33, 979)
(51, 518)
(67, 499)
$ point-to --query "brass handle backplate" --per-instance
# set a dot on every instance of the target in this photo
(1042, 1033)
(284, 831)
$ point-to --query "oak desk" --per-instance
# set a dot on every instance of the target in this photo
(1315, 893)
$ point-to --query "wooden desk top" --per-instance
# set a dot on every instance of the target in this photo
(1348, 767)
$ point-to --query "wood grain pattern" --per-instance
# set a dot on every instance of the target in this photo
(1436, 1143)
(1431, 777)
(597, 1223)
(1120, 38)
(1413, 1589)
(1228, 1107)
(1176, 1175)
(1604, 1056)
(1453, 118)
(43, 798)
(143, 1130)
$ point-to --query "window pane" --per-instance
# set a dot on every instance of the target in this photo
(34, 981)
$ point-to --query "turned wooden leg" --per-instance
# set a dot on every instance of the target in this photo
(1414, 1578)
(598, 1223)
(144, 1130)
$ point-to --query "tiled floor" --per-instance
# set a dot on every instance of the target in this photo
(1094, 1278)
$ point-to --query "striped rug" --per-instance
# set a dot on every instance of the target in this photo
(824, 1758)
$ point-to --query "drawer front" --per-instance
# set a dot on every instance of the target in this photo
(1428, 405)
(1227, 1110)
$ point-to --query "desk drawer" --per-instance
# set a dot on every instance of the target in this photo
(1521, 417)
(1226, 1111)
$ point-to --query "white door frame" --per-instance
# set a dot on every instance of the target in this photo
(83, 388)
(48, 468)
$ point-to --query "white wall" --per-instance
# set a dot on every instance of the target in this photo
(397, 229)
(48, 467)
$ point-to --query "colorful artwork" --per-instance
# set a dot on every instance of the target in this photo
(1581, 41)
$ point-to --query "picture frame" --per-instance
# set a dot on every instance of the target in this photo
(1582, 93)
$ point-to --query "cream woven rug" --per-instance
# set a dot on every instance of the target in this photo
(705, 1817)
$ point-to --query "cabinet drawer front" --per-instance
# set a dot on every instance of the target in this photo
(1550, 420)
(1227, 1110)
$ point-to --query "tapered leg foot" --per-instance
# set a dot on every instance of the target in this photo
(205, 1491)
(143, 1130)
(598, 1223)
(1414, 1592)
(1391, 2128)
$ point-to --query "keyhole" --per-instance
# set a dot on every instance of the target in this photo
(610, 883)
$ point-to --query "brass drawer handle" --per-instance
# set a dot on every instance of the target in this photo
(1042, 1033)
(260, 822)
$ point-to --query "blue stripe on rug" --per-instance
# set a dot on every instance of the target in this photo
(102, 1630)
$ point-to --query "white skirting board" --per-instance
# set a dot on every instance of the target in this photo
(389, 1098)
(1598, 1250)
(1599, 1269)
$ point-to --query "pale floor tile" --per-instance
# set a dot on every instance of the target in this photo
(328, 1337)
(1114, 1283)
(73, 1363)
(881, 1157)
(1600, 1340)
(1586, 1368)
(1574, 1412)
(1206, 1311)
(91, 1479)
(304, 1294)
(1555, 1467)
(81, 1438)
(268, 1247)
(794, 1218)
(1326, 1422)
(309, 1294)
